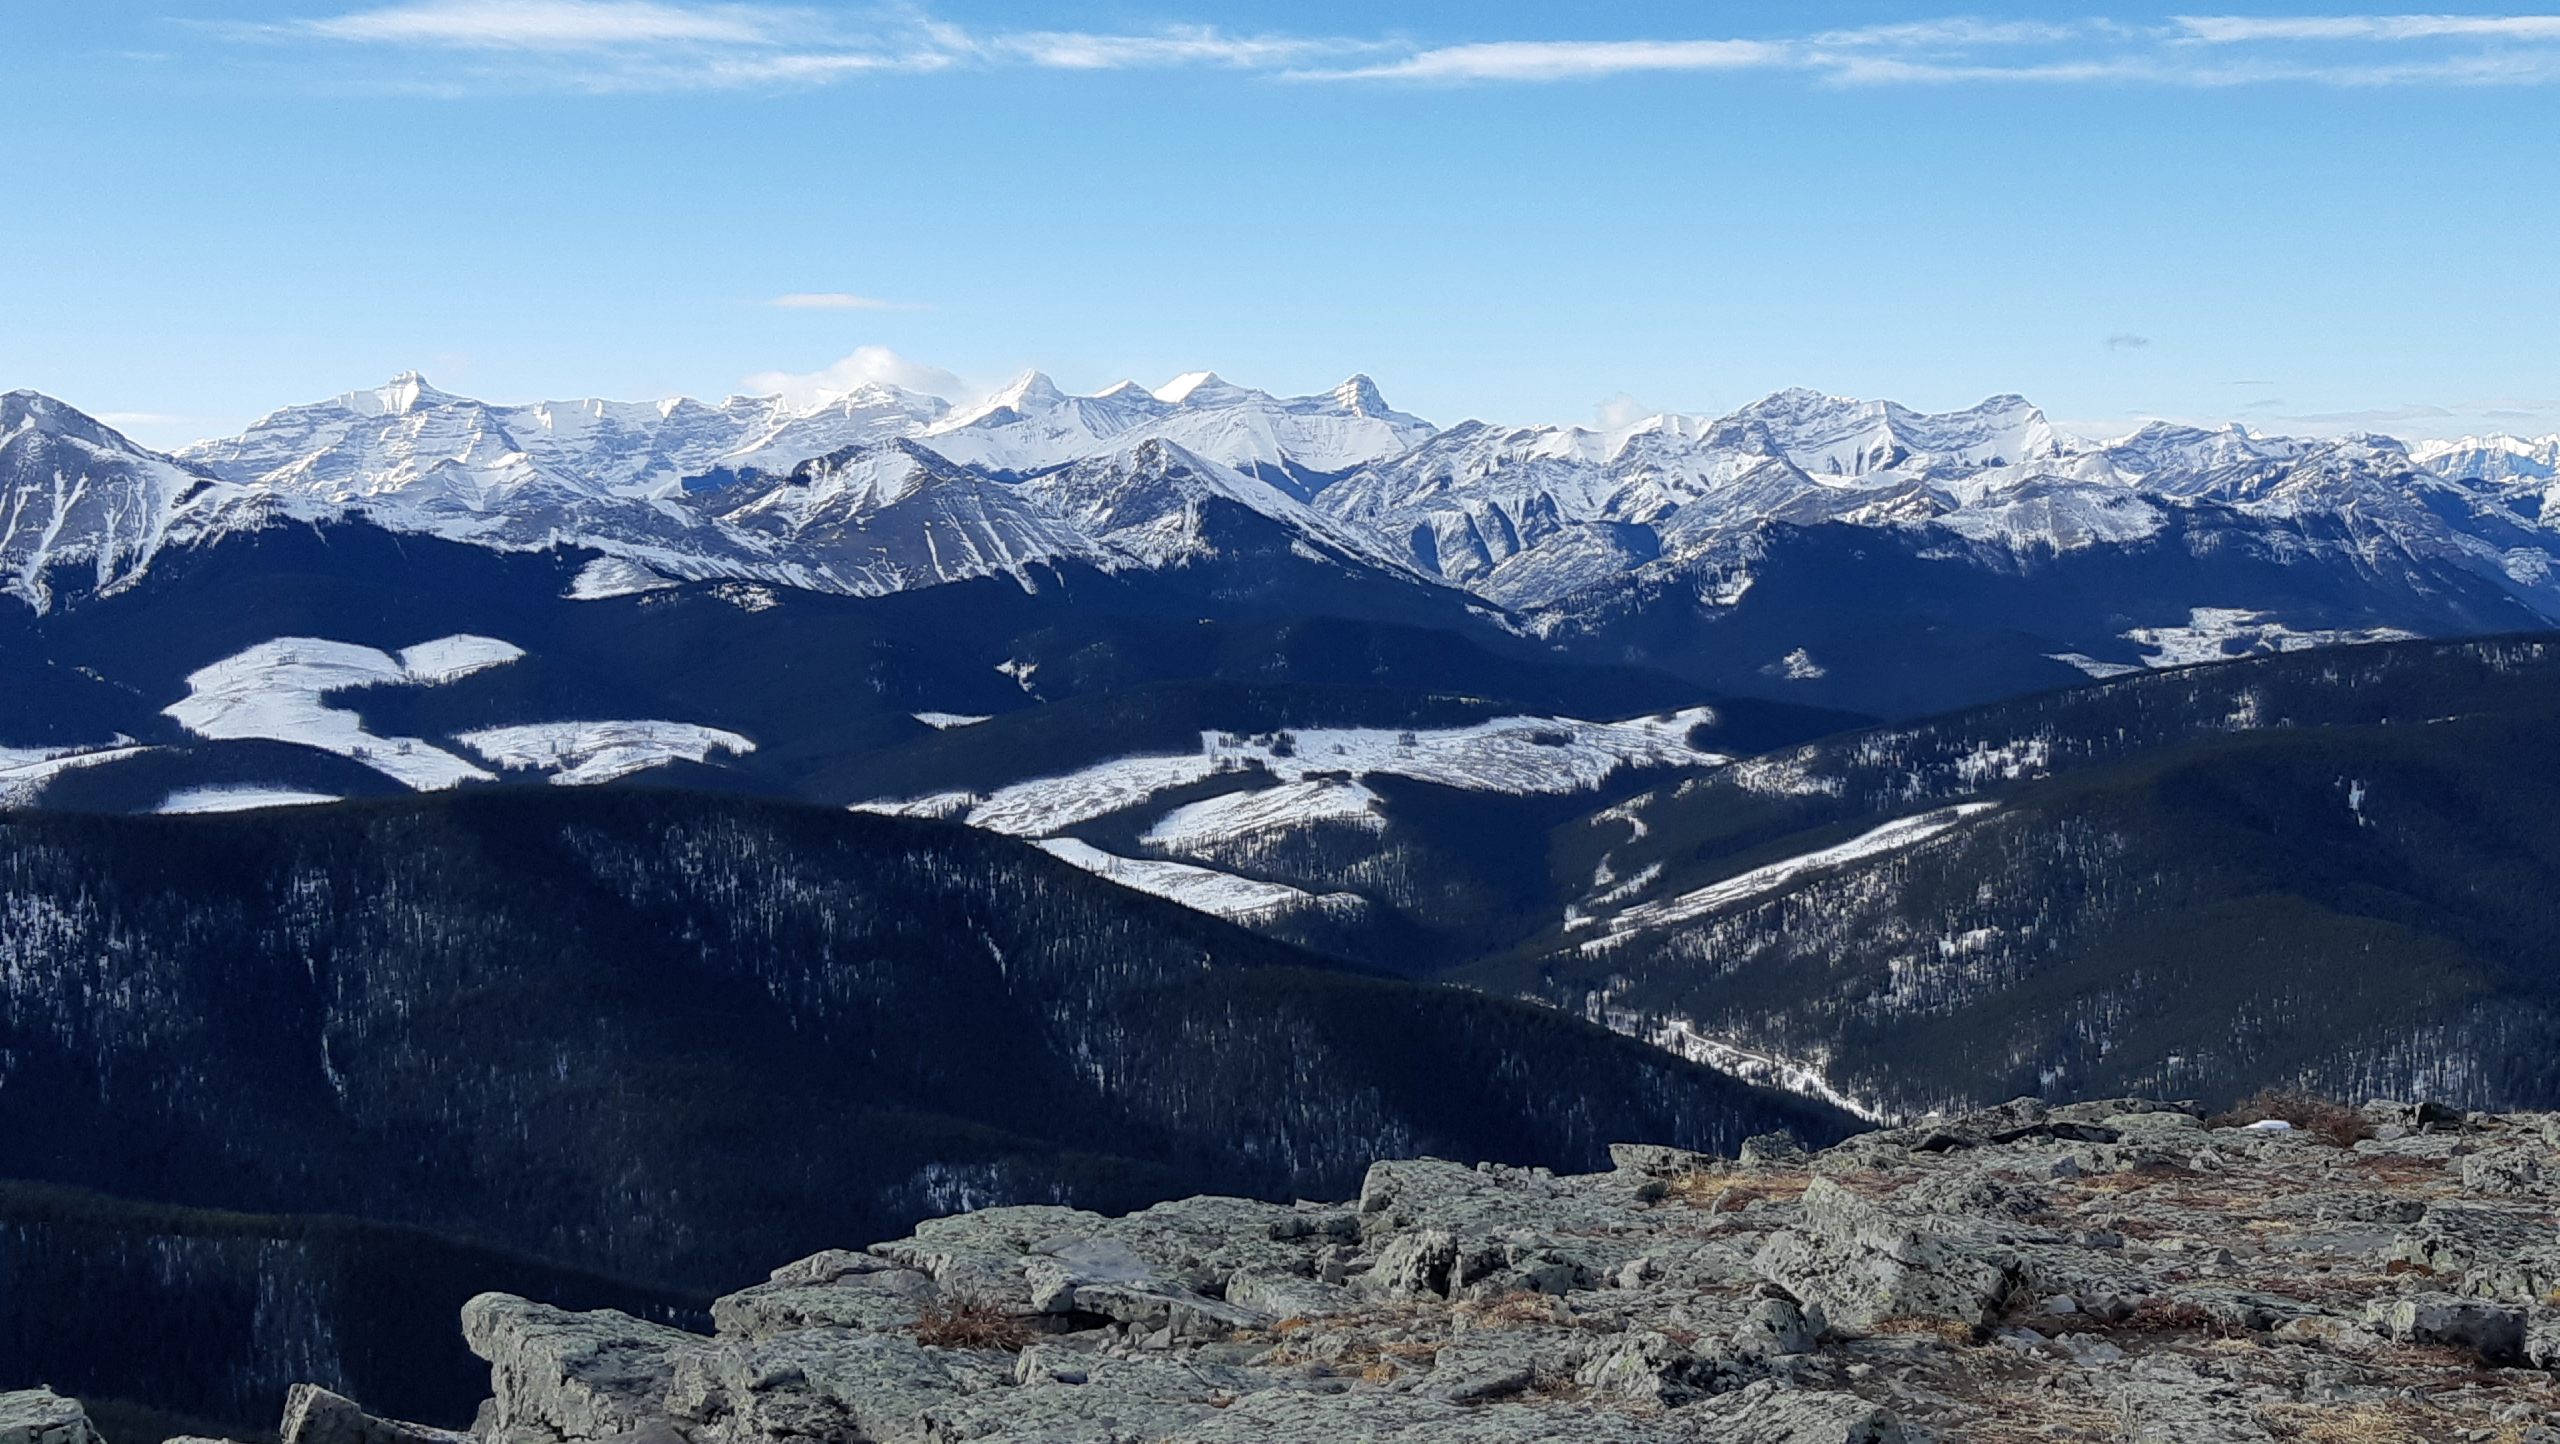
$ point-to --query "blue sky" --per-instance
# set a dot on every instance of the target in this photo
(2309, 219)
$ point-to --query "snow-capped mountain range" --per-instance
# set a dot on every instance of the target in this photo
(1567, 530)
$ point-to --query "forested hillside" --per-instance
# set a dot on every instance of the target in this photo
(673, 1038)
(2335, 868)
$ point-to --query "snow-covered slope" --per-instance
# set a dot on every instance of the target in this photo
(1159, 504)
(1835, 436)
(278, 691)
(1566, 521)
(870, 491)
(1287, 782)
(870, 520)
(1516, 755)
(1298, 442)
(1530, 516)
(1637, 543)
(76, 494)
(2491, 458)
(407, 442)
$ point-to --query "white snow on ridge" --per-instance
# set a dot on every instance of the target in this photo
(2212, 632)
(582, 754)
(1047, 805)
(450, 659)
(608, 577)
(1201, 889)
(1509, 754)
(24, 771)
(939, 806)
(197, 800)
(275, 690)
(1898, 835)
(1276, 809)
(1679, 1035)
(2095, 668)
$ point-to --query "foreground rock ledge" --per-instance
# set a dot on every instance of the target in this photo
(2113, 1271)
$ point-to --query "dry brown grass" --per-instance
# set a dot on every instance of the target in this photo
(2161, 1314)
(2325, 1117)
(2010, 1418)
(1515, 1309)
(969, 1323)
(1730, 1191)
(2342, 1424)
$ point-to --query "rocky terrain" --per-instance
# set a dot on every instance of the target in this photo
(2121, 1270)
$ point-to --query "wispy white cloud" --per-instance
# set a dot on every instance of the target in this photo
(1202, 45)
(838, 301)
(605, 45)
(552, 24)
(1622, 410)
(2245, 29)
(2127, 341)
(1569, 60)
(1968, 32)
(868, 366)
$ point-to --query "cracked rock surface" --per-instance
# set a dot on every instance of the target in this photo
(2113, 1271)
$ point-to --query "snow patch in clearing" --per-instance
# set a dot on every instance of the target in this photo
(940, 806)
(1507, 754)
(1289, 806)
(2213, 634)
(1769, 777)
(1052, 804)
(1896, 836)
(1679, 1036)
(1511, 754)
(450, 659)
(747, 596)
(24, 771)
(1201, 889)
(274, 692)
(2091, 665)
(609, 577)
(1797, 666)
(194, 800)
(2005, 762)
(582, 754)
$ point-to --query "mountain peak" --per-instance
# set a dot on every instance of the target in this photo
(1030, 389)
(1183, 387)
(409, 391)
(35, 411)
(21, 409)
(1360, 396)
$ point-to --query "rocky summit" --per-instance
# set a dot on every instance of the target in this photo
(2125, 1271)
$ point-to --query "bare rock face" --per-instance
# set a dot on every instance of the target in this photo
(2112, 1271)
(556, 1375)
(313, 1415)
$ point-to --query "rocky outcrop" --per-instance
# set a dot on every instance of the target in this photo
(40, 1416)
(313, 1415)
(2116, 1271)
